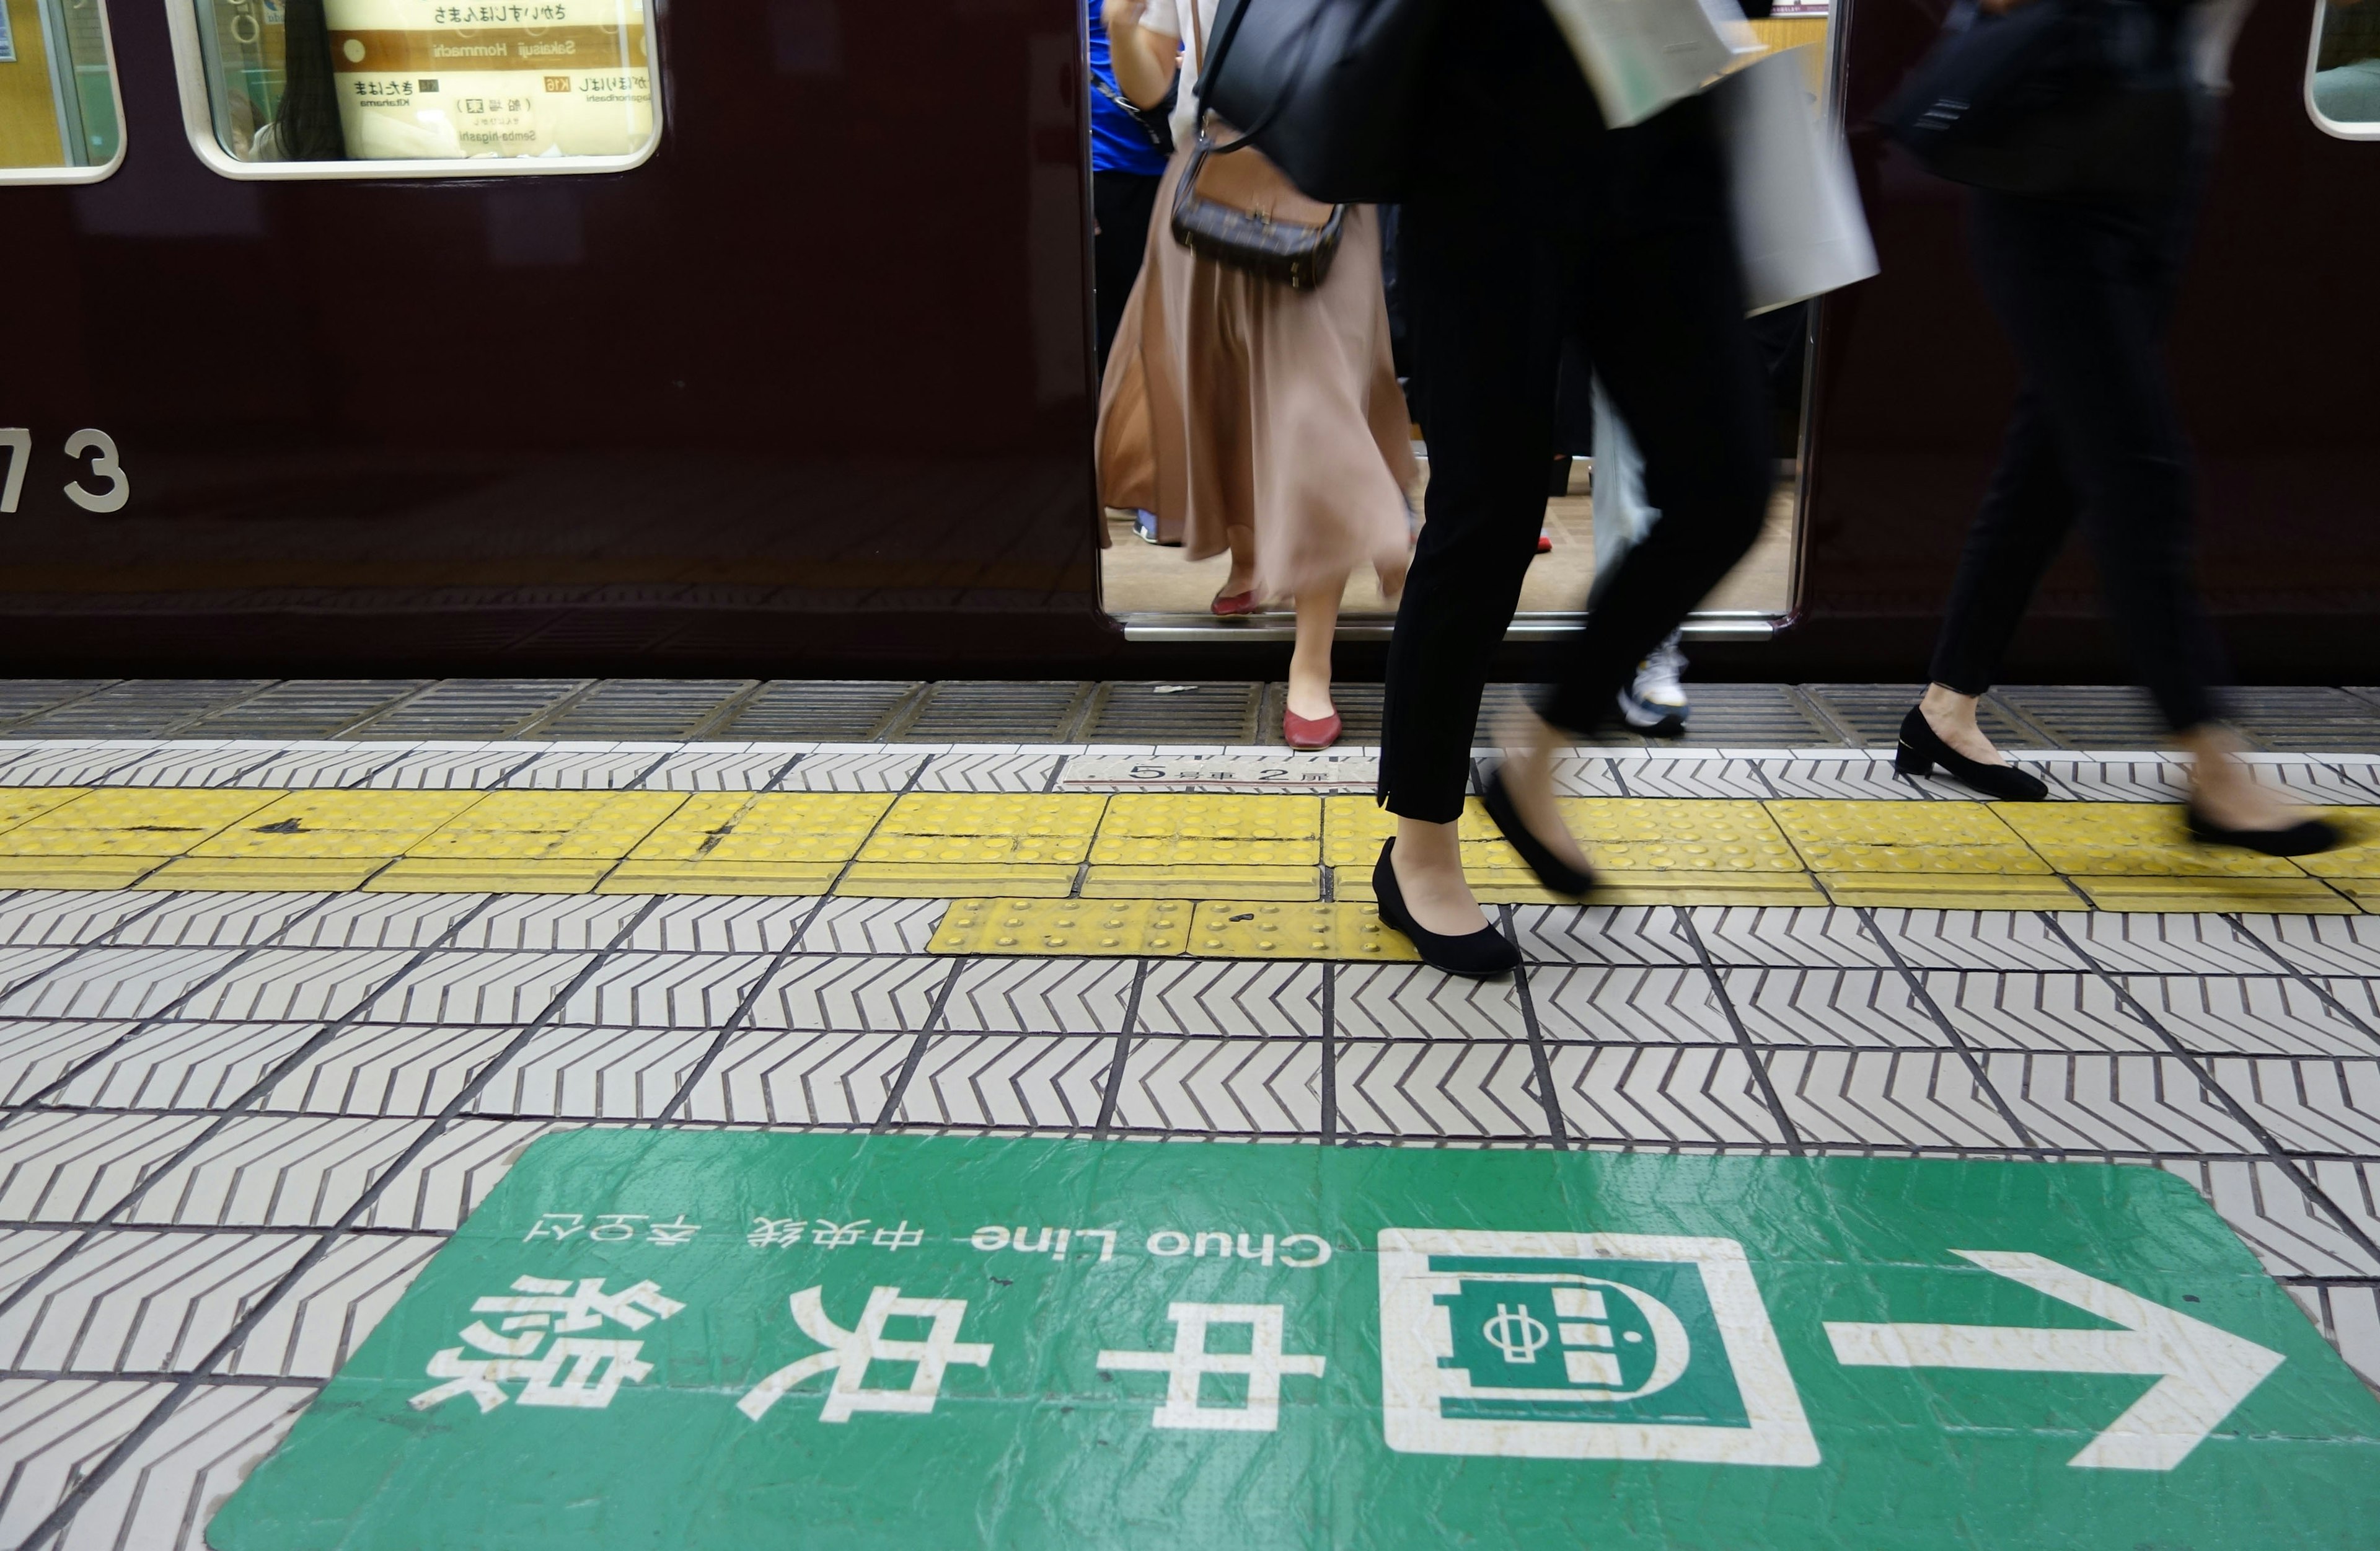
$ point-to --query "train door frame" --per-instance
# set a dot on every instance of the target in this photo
(1728, 625)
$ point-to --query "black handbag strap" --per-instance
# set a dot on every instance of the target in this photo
(1212, 67)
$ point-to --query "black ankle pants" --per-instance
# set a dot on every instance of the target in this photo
(1526, 220)
(2084, 292)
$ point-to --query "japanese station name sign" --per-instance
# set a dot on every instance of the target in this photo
(650, 1339)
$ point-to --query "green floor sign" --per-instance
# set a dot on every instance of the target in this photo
(712, 1340)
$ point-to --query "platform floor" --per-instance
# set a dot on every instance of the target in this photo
(244, 1104)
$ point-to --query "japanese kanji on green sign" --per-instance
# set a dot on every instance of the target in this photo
(702, 1340)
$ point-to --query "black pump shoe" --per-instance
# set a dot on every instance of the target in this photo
(1483, 954)
(1922, 748)
(1557, 875)
(2303, 838)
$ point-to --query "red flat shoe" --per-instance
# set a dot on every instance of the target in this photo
(1319, 733)
(1545, 542)
(1227, 605)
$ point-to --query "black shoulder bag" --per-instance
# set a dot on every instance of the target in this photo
(1234, 206)
(1329, 88)
(2060, 99)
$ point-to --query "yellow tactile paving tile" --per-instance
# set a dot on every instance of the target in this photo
(753, 843)
(1135, 850)
(1952, 891)
(1621, 834)
(1952, 838)
(944, 880)
(2365, 892)
(1156, 815)
(1776, 890)
(135, 820)
(1260, 929)
(1148, 831)
(529, 842)
(2131, 839)
(314, 840)
(2359, 858)
(1074, 928)
(551, 826)
(1353, 829)
(743, 826)
(2159, 894)
(340, 824)
(937, 843)
(1201, 880)
(1513, 885)
(1021, 815)
(1679, 835)
(1278, 849)
(74, 871)
(114, 837)
(20, 803)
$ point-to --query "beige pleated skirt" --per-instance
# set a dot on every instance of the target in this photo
(1234, 401)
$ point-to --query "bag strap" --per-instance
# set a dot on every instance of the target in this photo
(1222, 51)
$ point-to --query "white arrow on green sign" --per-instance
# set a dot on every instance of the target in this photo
(2202, 1373)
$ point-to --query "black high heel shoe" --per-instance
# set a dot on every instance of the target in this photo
(2303, 838)
(1482, 955)
(1922, 748)
(1559, 876)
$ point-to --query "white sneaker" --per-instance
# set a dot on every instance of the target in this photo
(1656, 703)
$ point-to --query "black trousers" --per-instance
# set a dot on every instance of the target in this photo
(2084, 292)
(1121, 203)
(1528, 220)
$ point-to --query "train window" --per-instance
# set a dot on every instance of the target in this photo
(58, 122)
(414, 88)
(2343, 68)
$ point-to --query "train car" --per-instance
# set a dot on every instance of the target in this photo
(640, 337)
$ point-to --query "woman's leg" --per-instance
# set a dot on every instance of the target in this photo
(1242, 541)
(2225, 790)
(1485, 335)
(2019, 529)
(1309, 664)
(1662, 293)
(2080, 292)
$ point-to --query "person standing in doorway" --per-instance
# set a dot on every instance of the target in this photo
(1129, 147)
(1266, 420)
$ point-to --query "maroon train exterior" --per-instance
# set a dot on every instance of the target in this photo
(810, 391)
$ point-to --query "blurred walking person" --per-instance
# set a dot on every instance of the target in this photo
(2083, 284)
(1527, 219)
(1262, 420)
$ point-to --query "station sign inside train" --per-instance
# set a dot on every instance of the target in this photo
(699, 1339)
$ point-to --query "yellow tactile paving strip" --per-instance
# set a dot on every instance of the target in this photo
(1139, 872)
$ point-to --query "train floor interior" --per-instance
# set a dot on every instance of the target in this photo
(1138, 578)
(291, 973)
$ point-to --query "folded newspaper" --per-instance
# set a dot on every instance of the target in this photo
(1641, 56)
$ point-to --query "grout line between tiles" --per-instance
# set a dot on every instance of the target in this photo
(2241, 1115)
(1924, 998)
(1110, 1092)
(1752, 1052)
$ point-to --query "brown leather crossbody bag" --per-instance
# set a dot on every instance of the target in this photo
(1234, 206)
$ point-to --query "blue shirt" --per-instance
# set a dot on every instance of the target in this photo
(1118, 144)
